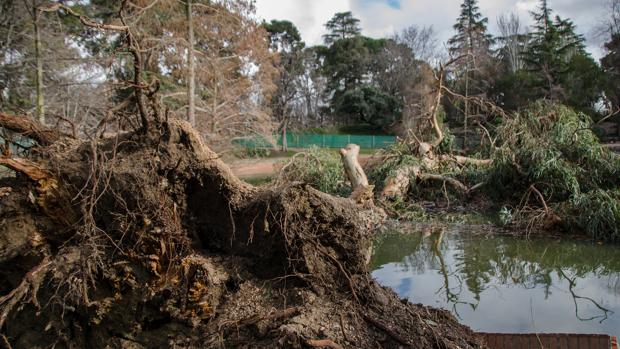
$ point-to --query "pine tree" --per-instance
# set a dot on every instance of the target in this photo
(285, 39)
(611, 68)
(473, 42)
(342, 26)
(472, 37)
(553, 44)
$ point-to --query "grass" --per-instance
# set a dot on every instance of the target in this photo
(321, 168)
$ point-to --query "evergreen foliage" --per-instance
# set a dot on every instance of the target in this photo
(370, 105)
(553, 43)
(342, 26)
(553, 149)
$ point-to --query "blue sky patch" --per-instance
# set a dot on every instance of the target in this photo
(392, 3)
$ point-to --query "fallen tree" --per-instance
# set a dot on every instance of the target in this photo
(159, 245)
(547, 171)
(146, 239)
(428, 160)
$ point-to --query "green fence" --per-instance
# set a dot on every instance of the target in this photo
(323, 141)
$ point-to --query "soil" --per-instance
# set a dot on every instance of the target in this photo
(253, 168)
(149, 241)
(266, 167)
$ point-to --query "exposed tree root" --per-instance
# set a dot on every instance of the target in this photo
(26, 127)
(323, 343)
(174, 251)
(32, 170)
(27, 288)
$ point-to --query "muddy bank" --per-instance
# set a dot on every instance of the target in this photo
(149, 241)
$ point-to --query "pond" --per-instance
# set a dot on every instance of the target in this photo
(501, 283)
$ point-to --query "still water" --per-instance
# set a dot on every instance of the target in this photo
(499, 283)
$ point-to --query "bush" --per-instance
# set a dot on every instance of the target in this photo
(596, 213)
(251, 152)
(321, 168)
(553, 149)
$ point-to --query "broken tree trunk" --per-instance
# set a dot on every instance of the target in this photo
(397, 185)
(362, 191)
(353, 169)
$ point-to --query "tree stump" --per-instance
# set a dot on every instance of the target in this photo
(362, 191)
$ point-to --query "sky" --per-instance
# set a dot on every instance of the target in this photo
(380, 18)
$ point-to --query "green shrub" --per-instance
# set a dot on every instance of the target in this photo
(596, 213)
(553, 148)
(321, 168)
(251, 152)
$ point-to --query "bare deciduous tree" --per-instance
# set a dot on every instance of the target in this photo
(514, 38)
(421, 40)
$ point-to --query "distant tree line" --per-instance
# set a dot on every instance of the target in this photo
(386, 82)
(232, 76)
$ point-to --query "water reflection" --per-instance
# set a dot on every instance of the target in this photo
(502, 283)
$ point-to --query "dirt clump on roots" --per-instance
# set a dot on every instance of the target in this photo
(147, 240)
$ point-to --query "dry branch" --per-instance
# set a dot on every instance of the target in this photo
(83, 19)
(323, 343)
(29, 128)
(27, 167)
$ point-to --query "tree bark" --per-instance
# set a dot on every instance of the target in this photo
(29, 128)
(353, 169)
(191, 88)
(39, 66)
(284, 141)
(398, 185)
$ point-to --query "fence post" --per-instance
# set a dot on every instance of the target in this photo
(323, 141)
(373, 141)
(348, 139)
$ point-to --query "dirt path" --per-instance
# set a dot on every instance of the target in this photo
(254, 168)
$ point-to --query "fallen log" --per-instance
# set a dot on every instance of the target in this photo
(464, 160)
(397, 185)
(29, 128)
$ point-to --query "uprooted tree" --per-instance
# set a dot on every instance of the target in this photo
(544, 169)
(146, 239)
(425, 168)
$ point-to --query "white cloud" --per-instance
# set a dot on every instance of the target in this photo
(378, 19)
(308, 15)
